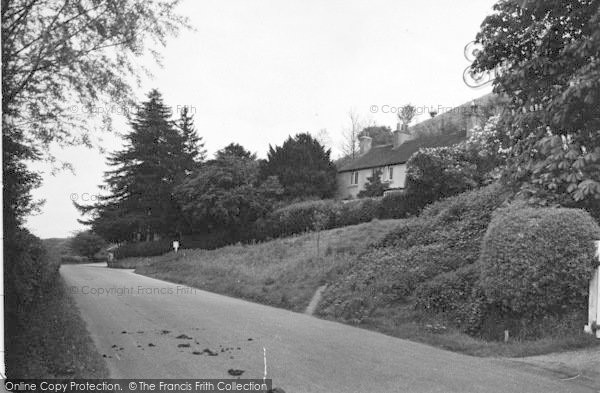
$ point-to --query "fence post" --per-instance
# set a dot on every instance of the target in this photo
(593, 325)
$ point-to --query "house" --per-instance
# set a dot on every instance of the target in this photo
(446, 129)
(389, 160)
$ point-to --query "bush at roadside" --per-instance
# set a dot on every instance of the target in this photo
(538, 262)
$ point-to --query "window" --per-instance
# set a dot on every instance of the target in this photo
(354, 177)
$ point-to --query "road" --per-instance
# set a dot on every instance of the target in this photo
(135, 321)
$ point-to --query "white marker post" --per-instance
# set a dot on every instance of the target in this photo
(175, 245)
(594, 300)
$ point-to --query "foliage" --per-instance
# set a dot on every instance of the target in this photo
(440, 172)
(61, 63)
(227, 193)
(207, 241)
(399, 204)
(380, 135)
(452, 293)
(407, 113)
(303, 167)
(538, 261)
(374, 186)
(547, 60)
(193, 149)
(29, 272)
(444, 237)
(155, 159)
(87, 244)
(302, 217)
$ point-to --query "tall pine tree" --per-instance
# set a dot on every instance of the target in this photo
(193, 144)
(157, 156)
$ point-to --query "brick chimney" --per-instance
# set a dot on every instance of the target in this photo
(401, 135)
(365, 144)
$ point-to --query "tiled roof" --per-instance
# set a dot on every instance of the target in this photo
(386, 155)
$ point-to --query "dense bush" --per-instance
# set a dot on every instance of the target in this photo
(436, 173)
(302, 217)
(87, 244)
(445, 237)
(399, 204)
(459, 222)
(455, 294)
(154, 248)
(537, 262)
(28, 269)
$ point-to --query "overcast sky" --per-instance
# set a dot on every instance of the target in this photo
(255, 72)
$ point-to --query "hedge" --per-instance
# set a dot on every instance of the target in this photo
(29, 270)
(154, 248)
(538, 261)
(289, 220)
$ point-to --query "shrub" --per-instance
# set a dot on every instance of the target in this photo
(537, 262)
(302, 217)
(440, 172)
(74, 259)
(448, 292)
(29, 270)
(459, 221)
(87, 244)
(153, 248)
(398, 205)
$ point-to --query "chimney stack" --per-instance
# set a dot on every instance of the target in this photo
(365, 144)
(401, 135)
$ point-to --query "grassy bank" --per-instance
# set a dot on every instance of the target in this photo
(51, 341)
(283, 273)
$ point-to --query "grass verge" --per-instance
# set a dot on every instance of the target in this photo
(407, 323)
(283, 272)
(51, 340)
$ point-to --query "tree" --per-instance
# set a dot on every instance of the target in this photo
(87, 244)
(303, 167)
(235, 150)
(545, 56)
(406, 114)
(193, 144)
(61, 62)
(381, 135)
(155, 159)
(226, 193)
(374, 187)
(350, 136)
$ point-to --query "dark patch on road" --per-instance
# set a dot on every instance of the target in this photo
(183, 337)
(209, 352)
(165, 332)
(234, 372)
(250, 339)
(124, 332)
(151, 345)
(183, 345)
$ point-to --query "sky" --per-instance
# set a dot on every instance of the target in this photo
(255, 72)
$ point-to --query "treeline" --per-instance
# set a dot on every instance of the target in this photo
(161, 186)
